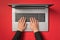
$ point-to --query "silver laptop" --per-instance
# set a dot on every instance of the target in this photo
(39, 13)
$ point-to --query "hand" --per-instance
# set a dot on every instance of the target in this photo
(34, 24)
(22, 24)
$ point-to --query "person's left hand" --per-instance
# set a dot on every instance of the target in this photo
(22, 24)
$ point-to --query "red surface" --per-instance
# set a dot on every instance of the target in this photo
(6, 24)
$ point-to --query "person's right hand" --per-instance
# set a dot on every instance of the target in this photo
(34, 24)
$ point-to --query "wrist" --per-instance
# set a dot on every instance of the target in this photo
(20, 30)
(36, 31)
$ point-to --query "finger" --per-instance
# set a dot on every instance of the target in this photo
(20, 19)
(34, 19)
(31, 19)
(24, 19)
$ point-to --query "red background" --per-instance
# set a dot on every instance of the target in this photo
(6, 20)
